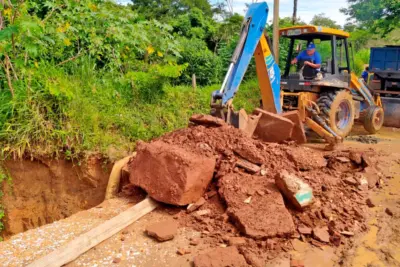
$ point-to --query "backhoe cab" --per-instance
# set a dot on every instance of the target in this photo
(333, 93)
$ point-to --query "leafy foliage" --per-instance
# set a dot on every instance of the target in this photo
(381, 16)
(323, 20)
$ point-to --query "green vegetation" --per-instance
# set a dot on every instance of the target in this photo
(4, 177)
(79, 76)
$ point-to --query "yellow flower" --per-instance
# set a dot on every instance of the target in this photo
(150, 49)
(160, 54)
(7, 12)
(67, 26)
(92, 7)
(60, 29)
(36, 64)
(67, 42)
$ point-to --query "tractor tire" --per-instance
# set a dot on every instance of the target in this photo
(337, 108)
(373, 119)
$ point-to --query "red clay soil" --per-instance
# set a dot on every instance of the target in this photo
(171, 174)
(250, 206)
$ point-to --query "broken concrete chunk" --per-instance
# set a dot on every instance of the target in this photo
(196, 205)
(248, 166)
(298, 133)
(273, 127)
(294, 189)
(221, 257)
(321, 234)
(163, 231)
(171, 174)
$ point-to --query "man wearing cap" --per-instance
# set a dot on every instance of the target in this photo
(310, 57)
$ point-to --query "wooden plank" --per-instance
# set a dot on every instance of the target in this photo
(86, 241)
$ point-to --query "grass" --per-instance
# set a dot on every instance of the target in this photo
(75, 110)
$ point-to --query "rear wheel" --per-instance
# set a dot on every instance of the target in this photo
(373, 119)
(338, 110)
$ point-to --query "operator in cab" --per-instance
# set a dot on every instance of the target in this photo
(311, 57)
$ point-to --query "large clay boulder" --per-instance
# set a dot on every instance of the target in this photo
(171, 174)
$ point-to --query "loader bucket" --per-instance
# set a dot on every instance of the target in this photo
(391, 107)
(245, 122)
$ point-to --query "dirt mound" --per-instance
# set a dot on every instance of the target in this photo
(248, 204)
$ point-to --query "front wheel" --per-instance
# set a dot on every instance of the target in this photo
(373, 119)
(337, 108)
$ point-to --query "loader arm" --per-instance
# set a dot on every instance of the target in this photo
(252, 41)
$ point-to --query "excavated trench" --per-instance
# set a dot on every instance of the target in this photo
(42, 191)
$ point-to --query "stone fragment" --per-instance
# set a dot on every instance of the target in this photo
(347, 233)
(370, 203)
(250, 167)
(350, 181)
(196, 205)
(236, 241)
(304, 230)
(298, 192)
(163, 231)
(171, 174)
(389, 211)
(207, 120)
(343, 159)
(356, 157)
(321, 234)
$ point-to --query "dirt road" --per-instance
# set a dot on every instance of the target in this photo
(377, 246)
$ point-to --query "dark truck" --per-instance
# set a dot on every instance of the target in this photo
(384, 63)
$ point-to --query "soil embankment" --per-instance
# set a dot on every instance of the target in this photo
(43, 190)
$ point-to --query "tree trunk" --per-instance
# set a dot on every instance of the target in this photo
(294, 18)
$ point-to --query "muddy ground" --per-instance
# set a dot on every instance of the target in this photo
(376, 246)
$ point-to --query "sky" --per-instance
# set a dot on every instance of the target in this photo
(306, 8)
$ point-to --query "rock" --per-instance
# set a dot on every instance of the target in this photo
(350, 181)
(255, 219)
(321, 234)
(296, 263)
(335, 239)
(182, 251)
(163, 231)
(389, 212)
(202, 212)
(196, 205)
(326, 213)
(220, 257)
(263, 172)
(347, 233)
(371, 175)
(370, 203)
(116, 260)
(171, 174)
(250, 167)
(252, 259)
(366, 161)
(355, 157)
(207, 120)
(236, 241)
(272, 127)
(194, 242)
(247, 200)
(299, 193)
(304, 230)
(343, 159)
(211, 193)
(298, 134)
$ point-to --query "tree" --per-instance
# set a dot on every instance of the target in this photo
(381, 16)
(294, 12)
(161, 9)
(322, 20)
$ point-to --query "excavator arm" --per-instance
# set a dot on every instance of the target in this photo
(252, 41)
